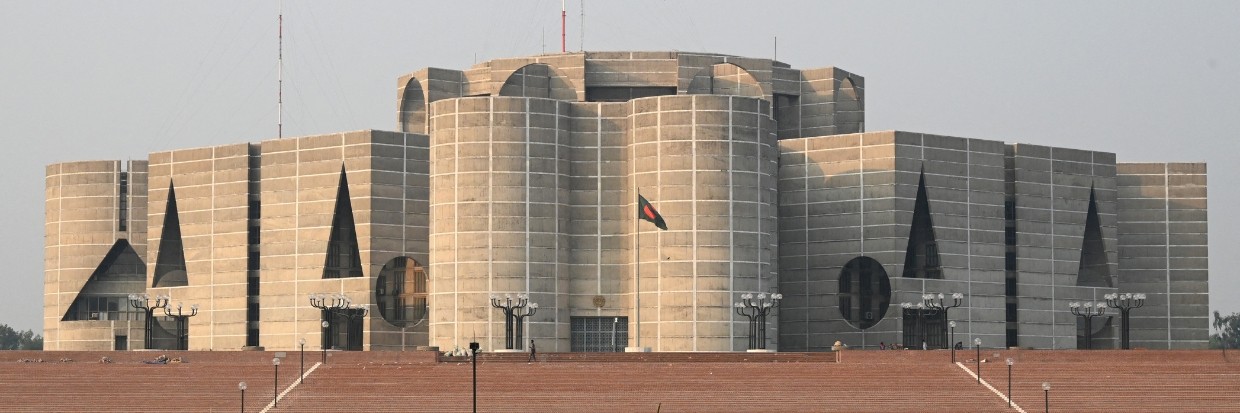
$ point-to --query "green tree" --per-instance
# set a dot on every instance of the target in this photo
(1227, 331)
(11, 339)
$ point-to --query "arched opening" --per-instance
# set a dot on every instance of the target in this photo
(864, 293)
(412, 108)
(400, 292)
(538, 80)
(725, 79)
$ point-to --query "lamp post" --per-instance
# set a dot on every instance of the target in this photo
(1087, 312)
(977, 342)
(275, 382)
(1046, 396)
(324, 345)
(936, 302)
(952, 324)
(1009, 395)
(181, 317)
(1124, 303)
(473, 355)
(329, 304)
(519, 320)
(143, 302)
(756, 312)
(301, 342)
(511, 309)
(241, 386)
(614, 321)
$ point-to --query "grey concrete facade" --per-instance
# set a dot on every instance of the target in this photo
(521, 176)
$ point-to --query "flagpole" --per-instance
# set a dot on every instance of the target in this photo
(637, 293)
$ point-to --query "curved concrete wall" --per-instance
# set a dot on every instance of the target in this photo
(499, 209)
(709, 164)
(82, 223)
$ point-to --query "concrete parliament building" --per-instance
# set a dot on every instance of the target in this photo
(521, 176)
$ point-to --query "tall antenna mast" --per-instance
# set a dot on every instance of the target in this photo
(563, 26)
(582, 45)
(280, 76)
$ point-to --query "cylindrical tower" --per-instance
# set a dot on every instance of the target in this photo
(499, 206)
(95, 238)
(709, 164)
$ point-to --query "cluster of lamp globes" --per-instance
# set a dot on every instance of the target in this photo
(333, 300)
(940, 296)
(161, 301)
(521, 298)
(748, 297)
(1125, 297)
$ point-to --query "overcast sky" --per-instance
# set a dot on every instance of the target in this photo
(1150, 81)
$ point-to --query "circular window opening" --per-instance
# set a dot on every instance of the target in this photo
(400, 292)
(865, 292)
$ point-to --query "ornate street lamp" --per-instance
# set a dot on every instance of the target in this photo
(329, 304)
(1046, 396)
(143, 302)
(182, 318)
(1009, 395)
(241, 386)
(920, 326)
(519, 320)
(512, 310)
(977, 342)
(275, 382)
(1124, 303)
(936, 302)
(1088, 311)
(757, 311)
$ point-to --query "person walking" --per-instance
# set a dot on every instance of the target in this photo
(532, 352)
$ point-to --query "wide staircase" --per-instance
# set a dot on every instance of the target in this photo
(864, 381)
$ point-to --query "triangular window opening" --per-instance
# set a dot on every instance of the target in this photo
(922, 258)
(170, 262)
(105, 294)
(1094, 271)
(343, 259)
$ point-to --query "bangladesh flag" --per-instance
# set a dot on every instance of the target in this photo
(647, 212)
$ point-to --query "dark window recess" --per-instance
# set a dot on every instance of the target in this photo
(1093, 270)
(251, 337)
(598, 334)
(922, 257)
(926, 326)
(252, 312)
(864, 292)
(625, 94)
(1010, 288)
(1012, 336)
(1009, 261)
(170, 261)
(1009, 210)
(254, 236)
(122, 203)
(252, 261)
(400, 292)
(343, 258)
(1009, 236)
(105, 296)
(252, 286)
(256, 209)
(1011, 311)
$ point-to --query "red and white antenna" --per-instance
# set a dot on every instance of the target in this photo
(563, 26)
(280, 76)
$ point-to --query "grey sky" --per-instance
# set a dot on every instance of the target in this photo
(1150, 81)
